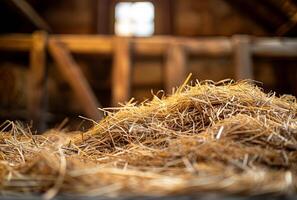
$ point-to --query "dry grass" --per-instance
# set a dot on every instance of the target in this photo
(227, 137)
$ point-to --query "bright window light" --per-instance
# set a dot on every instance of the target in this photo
(134, 19)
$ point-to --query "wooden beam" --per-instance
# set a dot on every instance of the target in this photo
(158, 45)
(218, 46)
(16, 42)
(175, 67)
(288, 28)
(121, 71)
(152, 46)
(29, 12)
(258, 12)
(89, 44)
(74, 76)
(36, 93)
(274, 47)
(242, 58)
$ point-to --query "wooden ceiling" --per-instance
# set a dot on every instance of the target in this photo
(277, 17)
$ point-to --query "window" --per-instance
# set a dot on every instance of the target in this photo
(134, 19)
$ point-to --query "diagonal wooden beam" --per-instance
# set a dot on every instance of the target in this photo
(258, 12)
(29, 12)
(75, 78)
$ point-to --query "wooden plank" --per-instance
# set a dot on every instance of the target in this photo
(275, 47)
(121, 71)
(242, 58)
(216, 46)
(74, 76)
(16, 42)
(152, 46)
(87, 44)
(175, 67)
(158, 45)
(36, 101)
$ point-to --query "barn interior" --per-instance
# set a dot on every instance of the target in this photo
(65, 64)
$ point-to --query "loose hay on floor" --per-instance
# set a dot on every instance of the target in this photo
(226, 137)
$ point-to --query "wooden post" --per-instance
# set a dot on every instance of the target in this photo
(121, 71)
(74, 76)
(36, 101)
(175, 67)
(102, 16)
(242, 58)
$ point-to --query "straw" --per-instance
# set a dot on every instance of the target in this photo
(228, 137)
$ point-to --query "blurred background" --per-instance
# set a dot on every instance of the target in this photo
(64, 58)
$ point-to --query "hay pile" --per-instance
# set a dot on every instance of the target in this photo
(227, 137)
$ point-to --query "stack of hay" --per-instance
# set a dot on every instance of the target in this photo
(227, 137)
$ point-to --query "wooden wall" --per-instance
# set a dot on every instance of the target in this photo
(71, 16)
(188, 18)
(175, 17)
(211, 17)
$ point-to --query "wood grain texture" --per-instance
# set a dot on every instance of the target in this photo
(242, 58)
(121, 71)
(87, 44)
(75, 78)
(36, 92)
(16, 42)
(175, 67)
